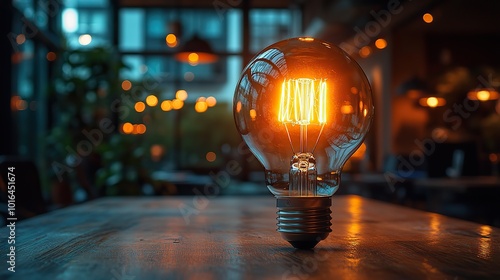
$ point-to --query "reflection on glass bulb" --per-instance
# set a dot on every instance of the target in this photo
(303, 107)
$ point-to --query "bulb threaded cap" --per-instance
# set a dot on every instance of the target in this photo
(304, 221)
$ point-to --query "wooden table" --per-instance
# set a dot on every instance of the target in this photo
(235, 238)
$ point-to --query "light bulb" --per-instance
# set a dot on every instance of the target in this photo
(303, 107)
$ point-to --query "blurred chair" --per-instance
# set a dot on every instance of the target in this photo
(29, 200)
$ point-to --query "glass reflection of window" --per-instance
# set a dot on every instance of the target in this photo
(142, 40)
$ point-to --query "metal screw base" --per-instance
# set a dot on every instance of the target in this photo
(304, 221)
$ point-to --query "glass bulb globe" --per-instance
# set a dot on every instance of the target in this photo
(303, 107)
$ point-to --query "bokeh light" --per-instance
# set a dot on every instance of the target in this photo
(432, 102)
(365, 51)
(17, 103)
(253, 114)
(346, 109)
(20, 39)
(177, 104)
(200, 106)
(127, 128)
(139, 107)
(140, 128)
(166, 105)
(483, 95)
(157, 152)
(85, 39)
(51, 56)
(380, 43)
(193, 59)
(211, 156)
(171, 40)
(189, 76)
(151, 100)
(181, 94)
(126, 85)
(211, 101)
(428, 18)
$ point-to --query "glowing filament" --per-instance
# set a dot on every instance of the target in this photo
(303, 101)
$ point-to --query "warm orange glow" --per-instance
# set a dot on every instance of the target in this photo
(238, 107)
(365, 51)
(432, 102)
(414, 93)
(346, 109)
(354, 227)
(211, 101)
(201, 99)
(354, 207)
(485, 242)
(126, 85)
(51, 56)
(139, 107)
(156, 152)
(181, 95)
(306, 39)
(360, 152)
(20, 39)
(434, 227)
(428, 18)
(354, 90)
(17, 103)
(483, 94)
(253, 114)
(127, 128)
(201, 57)
(21, 105)
(134, 129)
(211, 156)
(200, 106)
(166, 105)
(193, 59)
(140, 128)
(177, 104)
(151, 100)
(381, 43)
(493, 158)
(17, 57)
(171, 40)
(303, 101)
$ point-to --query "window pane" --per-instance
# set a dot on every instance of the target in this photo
(269, 26)
(131, 36)
(86, 24)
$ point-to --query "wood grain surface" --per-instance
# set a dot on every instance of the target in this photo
(235, 238)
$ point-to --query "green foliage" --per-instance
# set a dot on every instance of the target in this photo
(206, 132)
(82, 96)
